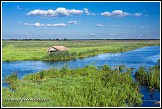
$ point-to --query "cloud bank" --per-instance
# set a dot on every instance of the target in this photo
(55, 13)
(61, 12)
(46, 25)
(52, 25)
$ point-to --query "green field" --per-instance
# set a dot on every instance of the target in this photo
(37, 50)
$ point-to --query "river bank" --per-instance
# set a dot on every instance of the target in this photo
(37, 50)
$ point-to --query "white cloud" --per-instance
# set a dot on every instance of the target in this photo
(27, 24)
(115, 13)
(51, 33)
(99, 25)
(38, 24)
(86, 11)
(137, 14)
(112, 25)
(55, 13)
(72, 22)
(106, 14)
(92, 34)
(145, 35)
(144, 26)
(112, 34)
(59, 25)
(18, 7)
(120, 13)
(129, 26)
(46, 25)
(35, 24)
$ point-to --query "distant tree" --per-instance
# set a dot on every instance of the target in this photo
(65, 39)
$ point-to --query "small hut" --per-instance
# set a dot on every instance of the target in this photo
(57, 48)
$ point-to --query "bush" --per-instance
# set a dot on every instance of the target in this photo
(150, 78)
(11, 78)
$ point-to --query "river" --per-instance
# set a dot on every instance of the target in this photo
(146, 56)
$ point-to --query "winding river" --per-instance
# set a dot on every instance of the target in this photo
(146, 56)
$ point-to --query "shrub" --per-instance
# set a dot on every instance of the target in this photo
(11, 78)
(150, 78)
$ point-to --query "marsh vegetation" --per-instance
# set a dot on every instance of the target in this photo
(37, 50)
(89, 86)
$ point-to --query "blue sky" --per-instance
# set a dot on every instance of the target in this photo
(81, 20)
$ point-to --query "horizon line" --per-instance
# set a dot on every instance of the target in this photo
(78, 39)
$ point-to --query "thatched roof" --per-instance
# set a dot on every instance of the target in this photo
(57, 48)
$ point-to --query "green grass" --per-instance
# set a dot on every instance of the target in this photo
(37, 50)
(150, 77)
(82, 87)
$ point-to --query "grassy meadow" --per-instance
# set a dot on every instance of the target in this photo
(37, 50)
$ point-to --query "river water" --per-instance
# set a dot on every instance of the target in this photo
(146, 56)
